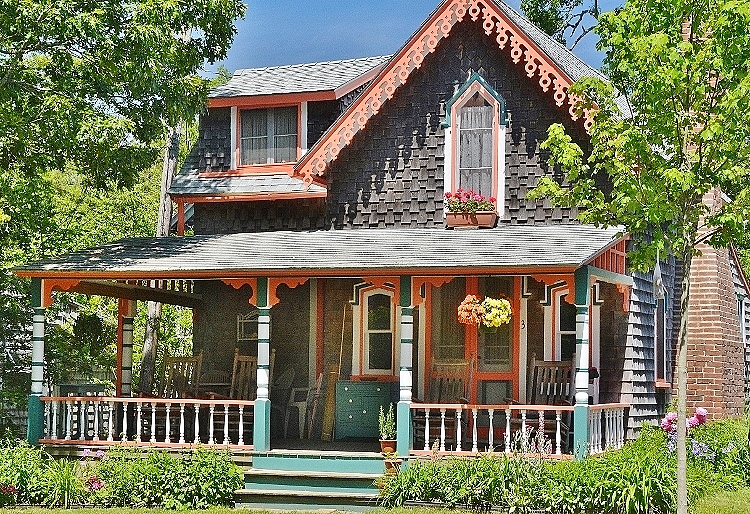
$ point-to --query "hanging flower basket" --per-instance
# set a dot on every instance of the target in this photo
(487, 314)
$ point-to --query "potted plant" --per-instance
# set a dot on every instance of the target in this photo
(487, 314)
(387, 427)
(469, 209)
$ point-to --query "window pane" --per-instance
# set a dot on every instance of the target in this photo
(285, 148)
(381, 350)
(494, 350)
(447, 334)
(285, 121)
(379, 312)
(476, 147)
(254, 137)
(567, 315)
(567, 346)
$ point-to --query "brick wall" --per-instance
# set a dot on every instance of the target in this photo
(715, 352)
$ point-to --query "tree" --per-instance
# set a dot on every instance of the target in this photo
(563, 19)
(684, 68)
(94, 84)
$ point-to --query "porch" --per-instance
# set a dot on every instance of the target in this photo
(398, 318)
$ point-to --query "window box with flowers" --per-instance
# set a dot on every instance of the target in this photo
(469, 209)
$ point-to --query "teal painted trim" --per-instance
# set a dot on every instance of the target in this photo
(547, 300)
(262, 425)
(311, 482)
(405, 291)
(610, 276)
(582, 276)
(580, 431)
(36, 293)
(403, 428)
(340, 463)
(35, 424)
(262, 292)
(475, 77)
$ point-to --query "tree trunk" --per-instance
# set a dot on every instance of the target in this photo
(682, 497)
(164, 220)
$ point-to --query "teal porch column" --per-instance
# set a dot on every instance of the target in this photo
(403, 413)
(581, 408)
(262, 411)
(35, 427)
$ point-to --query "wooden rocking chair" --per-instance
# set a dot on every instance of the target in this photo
(448, 381)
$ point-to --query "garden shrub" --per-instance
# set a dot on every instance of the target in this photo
(640, 478)
(21, 468)
(148, 478)
(120, 477)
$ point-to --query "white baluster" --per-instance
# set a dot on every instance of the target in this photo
(541, 431)
(197, 425)
(474, 447)
(507, 430)
(138, 422)
(55, 407)
(96, 420)
(69, 420)
(82, 420)
(182, 423)
(211, 424)
(226, 424)
(458, 429)
(491, 435)
(427, 430)
(124, 421)
(168, 424)
(241, 438)
(47, 420)
(523, 424)
(558, 438)
(153, 422)
(110, 421)
(621, 425)
(442, 430)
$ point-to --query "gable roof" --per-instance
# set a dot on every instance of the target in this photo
(542, 58)
(256, 186)
(296, 78)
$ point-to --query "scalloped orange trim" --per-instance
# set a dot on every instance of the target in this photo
(522, 52)
(49, 285)
(274, 283)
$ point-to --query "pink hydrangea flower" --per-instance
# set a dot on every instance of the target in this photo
(700, 414)
(692, 422)
(668, 424)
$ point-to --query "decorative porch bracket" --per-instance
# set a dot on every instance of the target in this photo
(35, 426)
(403, 427)
(581, 409)
(262, 409)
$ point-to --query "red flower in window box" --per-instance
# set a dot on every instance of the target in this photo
(469, 209)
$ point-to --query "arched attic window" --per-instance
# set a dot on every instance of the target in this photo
(475, 126)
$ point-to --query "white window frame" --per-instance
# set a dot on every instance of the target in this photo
(361, 350)
(552, 332)
(663, 326)
(271, 133)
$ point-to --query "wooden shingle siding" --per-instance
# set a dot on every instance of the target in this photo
(392, 172)
(212, 150)
(259, 216)
(320, 116)
(743, 296)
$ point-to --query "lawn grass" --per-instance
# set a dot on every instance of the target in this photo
(727, 502)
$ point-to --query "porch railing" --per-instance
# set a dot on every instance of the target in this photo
(606, 427)
(157, 421)
(462, 428)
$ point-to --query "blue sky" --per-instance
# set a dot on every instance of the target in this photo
(277, 32)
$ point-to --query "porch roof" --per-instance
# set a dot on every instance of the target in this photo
(506, 249)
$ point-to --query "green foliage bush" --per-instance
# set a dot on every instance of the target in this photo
(638, 479)
(120, 477)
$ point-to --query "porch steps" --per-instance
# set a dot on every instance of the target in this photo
(306, 480)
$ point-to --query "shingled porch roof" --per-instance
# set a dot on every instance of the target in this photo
(502, 250)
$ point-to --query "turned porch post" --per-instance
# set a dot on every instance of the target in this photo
(35, 426)
(127, 311)
(403, 426)
(262, 418)
(581, 409)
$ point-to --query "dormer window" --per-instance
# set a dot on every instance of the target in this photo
(475, 126)
(268, 136)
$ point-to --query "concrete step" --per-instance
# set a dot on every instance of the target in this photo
(311, 481)
(323, 461)
(292, 499)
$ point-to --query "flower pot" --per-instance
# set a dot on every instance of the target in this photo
(479, 219)
(387, 445)
(392, 466)
(487, 330)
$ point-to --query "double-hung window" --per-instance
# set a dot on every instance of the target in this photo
(268, 136)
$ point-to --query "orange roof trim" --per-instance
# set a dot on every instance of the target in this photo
(522, 51)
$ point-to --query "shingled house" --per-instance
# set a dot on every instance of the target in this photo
(321, 247)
